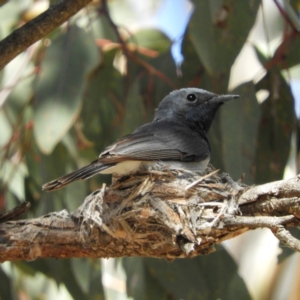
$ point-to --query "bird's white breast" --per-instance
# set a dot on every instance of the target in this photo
(124, 167)
(132, 166)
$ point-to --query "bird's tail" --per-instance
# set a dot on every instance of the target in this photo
(83, 173)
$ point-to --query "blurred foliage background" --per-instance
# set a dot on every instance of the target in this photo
(101, 75)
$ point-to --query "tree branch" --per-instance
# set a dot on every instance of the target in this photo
(36, 29)
(159, 214)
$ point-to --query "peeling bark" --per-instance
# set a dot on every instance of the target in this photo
(159, 214)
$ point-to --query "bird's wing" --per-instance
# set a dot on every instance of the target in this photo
(158, 141)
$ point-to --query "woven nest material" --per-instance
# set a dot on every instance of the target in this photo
(165, 208)
(162, 213)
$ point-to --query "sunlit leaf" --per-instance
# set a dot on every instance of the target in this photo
(13, 175)
(10, 14)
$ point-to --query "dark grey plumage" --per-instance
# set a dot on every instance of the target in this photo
(177, 136)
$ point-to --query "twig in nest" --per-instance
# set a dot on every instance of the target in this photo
(201, 179)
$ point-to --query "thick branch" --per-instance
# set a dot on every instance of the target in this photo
(36, 29)
(158, 214)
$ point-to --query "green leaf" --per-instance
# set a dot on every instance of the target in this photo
(102, 111)
(63, 272)
(208, 277)
(139, 282)
(7, 291)
(239, 128)
(151, 39)
(277, 123)
(219, 29)
(153, 87)
(192, 69)
(134, 109)
(82, 277)
(96, 290)
(44, 168)
(10, 15)
(18, 83)
(60, 85)
(87, 274)
(13, 175)
(100, 26)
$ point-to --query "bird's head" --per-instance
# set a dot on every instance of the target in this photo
(195, 107)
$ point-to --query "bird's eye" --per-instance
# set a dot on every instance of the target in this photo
(191, 97)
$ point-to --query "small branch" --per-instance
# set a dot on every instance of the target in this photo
(286, 238)
(36, 29)
(293, 21)
(257, 222)
(130, 54)
(105, 11)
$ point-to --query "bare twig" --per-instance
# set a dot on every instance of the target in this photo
(285, 237)
(293, 20)
(129, 53)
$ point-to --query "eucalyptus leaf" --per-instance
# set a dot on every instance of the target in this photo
(7, 290)
(208, 277)
(60, 86)
(102, 111)
(239, 127)
(134, 110)
(151, 39)
(276, 125)
(219, 29)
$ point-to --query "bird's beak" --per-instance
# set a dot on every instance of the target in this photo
(224, 98)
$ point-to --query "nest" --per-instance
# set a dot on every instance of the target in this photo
(162, 213)
(170, 212)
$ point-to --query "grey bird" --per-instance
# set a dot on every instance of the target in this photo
(176, 138)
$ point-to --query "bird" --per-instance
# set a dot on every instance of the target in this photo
(176, 138)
